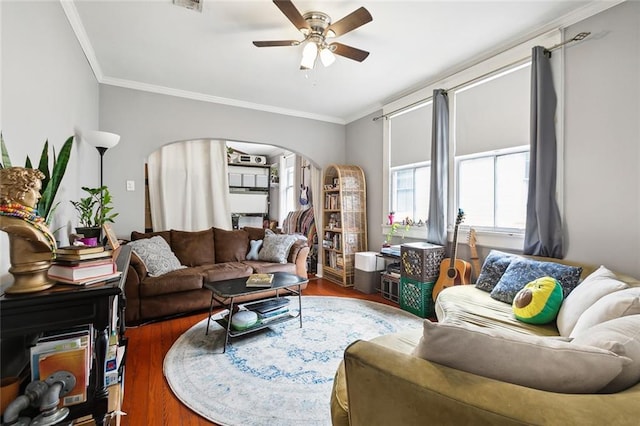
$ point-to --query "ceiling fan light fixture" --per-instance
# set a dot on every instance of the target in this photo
(309, 55)
(327, 57)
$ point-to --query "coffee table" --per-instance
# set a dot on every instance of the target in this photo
(225, 292)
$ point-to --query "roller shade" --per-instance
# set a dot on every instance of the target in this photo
(493, 114)
(410, 135)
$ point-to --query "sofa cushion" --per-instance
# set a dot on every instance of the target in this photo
(522, 271)
(262, 267)
(621, 336)
(493, 268)
(539, 301)
(255, 246)
(156, 255)
(254, 233)
(230, 246)
(275, 248)
(193, 248)
(295, 249)
(467, 303)
(135, 235)
(536, 362)
(227, 271)
(614, 305)
(172, 282)
(598, 284)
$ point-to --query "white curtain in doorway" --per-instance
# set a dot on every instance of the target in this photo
(189, 186)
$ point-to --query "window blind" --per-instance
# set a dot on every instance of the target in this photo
(410, 135)
(494, 113)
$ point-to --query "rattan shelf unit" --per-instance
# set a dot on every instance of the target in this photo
(344, 222)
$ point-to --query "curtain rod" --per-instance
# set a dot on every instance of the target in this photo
(577, 37)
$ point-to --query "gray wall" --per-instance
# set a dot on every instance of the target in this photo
(364, 148)
(147, 121)
(48, 92)
(602, 140)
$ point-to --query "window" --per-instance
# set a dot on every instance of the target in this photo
(492, 188)
(491, 127)
(410, 192)
(287, 186)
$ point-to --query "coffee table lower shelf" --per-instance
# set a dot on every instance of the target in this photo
(259, 326)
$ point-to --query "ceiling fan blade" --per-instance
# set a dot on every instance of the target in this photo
(290, 11)
(350, 22)
(276, 43)
(348, 52)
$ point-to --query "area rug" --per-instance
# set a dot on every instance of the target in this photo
(277, 376)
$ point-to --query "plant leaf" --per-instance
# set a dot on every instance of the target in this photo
(59, 168)
(6, 161)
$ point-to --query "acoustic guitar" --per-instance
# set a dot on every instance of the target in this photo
(475, 261)
(453, 271)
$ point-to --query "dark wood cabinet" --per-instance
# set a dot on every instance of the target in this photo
(24, 317)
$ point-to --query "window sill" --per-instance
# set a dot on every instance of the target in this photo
(489, 239)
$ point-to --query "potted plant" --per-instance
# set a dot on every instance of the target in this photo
(52, 178)
(94, 210)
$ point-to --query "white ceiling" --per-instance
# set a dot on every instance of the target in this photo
(156, 45)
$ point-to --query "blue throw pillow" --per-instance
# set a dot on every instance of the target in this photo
(255, 248)
(522, 271)
(493, 267)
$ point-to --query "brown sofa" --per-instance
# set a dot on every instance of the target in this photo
(209, 255)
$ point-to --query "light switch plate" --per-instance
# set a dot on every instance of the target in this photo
(131, 185)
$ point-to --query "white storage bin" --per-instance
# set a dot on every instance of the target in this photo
(249, 180)
(262, 181)
(368, 261)
(235, 179)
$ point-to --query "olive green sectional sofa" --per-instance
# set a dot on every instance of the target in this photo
(386, 381)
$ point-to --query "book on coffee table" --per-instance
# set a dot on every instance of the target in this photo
(259, 280)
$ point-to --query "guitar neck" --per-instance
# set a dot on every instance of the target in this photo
(454, 253)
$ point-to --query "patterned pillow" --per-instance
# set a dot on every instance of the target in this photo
(255, 248)
(492, 269)
(156, 255)
(275, 248)
(522, 271)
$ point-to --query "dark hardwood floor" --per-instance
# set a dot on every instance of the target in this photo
(148, 400)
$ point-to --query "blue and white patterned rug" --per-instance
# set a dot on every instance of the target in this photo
(281, 375)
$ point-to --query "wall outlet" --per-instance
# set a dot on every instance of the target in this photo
(131, 185)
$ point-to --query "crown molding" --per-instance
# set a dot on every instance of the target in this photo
(69, 8)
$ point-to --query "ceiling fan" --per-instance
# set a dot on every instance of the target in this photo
(317, 28)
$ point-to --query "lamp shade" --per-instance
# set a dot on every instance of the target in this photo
(100, 139)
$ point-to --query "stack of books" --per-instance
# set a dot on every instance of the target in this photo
(270, 309)
(82, 265)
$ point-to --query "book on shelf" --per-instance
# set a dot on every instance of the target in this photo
(82, 262)
(73, 361)
(82, 271)
(83, 256)
(88, 281)
(79, 249)
(260, 280)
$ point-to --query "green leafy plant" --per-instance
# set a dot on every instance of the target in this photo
(52, 179)
(89, 212)
(394, 228)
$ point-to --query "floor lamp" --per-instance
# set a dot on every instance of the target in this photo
(102, 141)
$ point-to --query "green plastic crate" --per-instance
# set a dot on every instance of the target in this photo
(416, 297)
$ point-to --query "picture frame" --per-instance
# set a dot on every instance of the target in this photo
(111, 236)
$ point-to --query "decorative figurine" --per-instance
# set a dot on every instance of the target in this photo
(32, 245)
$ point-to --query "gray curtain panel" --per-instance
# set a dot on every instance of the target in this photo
(543, 231)
(437, 223)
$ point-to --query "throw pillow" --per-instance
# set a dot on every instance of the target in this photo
(156, 255)
(527, 360)
(230, 246)
(492, 269)
(598, 284)
(522, 271)
(275, 248)
(614, 305)
(539, 301)
(621, 336)
(254, 249)
(194, 248)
